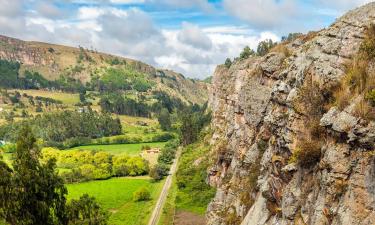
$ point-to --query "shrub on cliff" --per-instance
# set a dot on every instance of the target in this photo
(307, 153)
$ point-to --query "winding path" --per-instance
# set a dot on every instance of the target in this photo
(164, 193)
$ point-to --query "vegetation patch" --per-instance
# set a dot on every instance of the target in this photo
(359, 81)
(116, 197)
(194, 193)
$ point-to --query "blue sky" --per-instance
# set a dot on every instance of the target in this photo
(188, 36)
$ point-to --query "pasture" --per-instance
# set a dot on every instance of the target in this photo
(118, 149)
(116, 196)
(66, 98)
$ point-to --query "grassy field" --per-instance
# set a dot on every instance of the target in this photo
(7, 158)
(115, 195)
(66, 98)
(129, 149)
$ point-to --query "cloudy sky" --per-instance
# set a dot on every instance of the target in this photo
(188, 36)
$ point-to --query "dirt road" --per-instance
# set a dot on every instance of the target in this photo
(164, 193)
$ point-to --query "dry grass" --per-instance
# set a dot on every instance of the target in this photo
(360, 80)
(281, 48)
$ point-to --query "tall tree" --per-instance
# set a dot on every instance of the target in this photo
(164, 119)
(31, 193)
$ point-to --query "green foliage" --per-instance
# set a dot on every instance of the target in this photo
(123, 79)
(371, 97)
(57, 127)
(167, 102)
(193, 119)
(124, 106)
(168, 152)
(164, 119)
(34, 80)
(142, 194)
(8, 148)
(85, 211)
(228, 63)
(307, 153)
(291, 37)
(194, 193)
(33, 193)
(246, 53)
(124, 165)
(9, 74)
(116, 196)
(265, 46)
(158, 171)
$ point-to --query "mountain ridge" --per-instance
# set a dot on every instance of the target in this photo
(54, 60)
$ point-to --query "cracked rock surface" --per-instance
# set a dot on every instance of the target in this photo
(253, 115)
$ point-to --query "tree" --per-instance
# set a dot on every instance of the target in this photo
(246, 53)
(265, 46)
(86, 211)
(31, 193)
(164, 119)
(228, 63)
(158, 171)
(141, 194)
(82, 95)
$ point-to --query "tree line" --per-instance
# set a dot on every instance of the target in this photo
(91, 165)
(64, 127)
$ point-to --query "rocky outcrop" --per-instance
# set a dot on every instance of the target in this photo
(257, 124)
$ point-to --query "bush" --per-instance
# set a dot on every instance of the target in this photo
(86, 211)
(142, 194)
(370, 96)
(307, 153)
(163, 137)
(158, 171)
(228, 63)
(129, 166)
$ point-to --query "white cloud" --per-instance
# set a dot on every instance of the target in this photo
(263, 13)
(191, 34)
(192, 50)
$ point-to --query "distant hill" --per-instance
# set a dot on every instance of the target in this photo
(53, 61)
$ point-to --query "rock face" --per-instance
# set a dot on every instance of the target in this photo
(256, 126)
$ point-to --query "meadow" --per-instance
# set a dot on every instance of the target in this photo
(118, 149)
(116, 196)
(65, 98)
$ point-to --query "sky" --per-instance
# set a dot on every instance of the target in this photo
(187, 36)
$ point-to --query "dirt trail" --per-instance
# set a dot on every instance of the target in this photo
(164, 193)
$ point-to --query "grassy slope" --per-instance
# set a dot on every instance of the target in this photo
(115, 195)
(66, 98)
(130, 149)
(195, 197)
(63, 59)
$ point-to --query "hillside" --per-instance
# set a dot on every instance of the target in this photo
(53, 61)
(293, 138)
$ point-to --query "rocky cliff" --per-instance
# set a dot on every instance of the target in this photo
(284, 151)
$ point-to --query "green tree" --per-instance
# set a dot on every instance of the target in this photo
(246, 53)
(228, 63)
(31, 193)
(265, 46)
(86, 211)
(158, 171)
(164, 119)
(142, 194)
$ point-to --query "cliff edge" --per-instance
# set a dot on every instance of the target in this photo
(287, 148)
